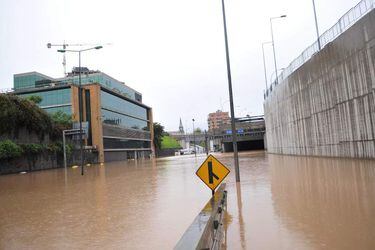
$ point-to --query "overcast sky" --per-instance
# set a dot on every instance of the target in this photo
(172, 51)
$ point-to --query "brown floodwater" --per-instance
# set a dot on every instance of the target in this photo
(283, 202)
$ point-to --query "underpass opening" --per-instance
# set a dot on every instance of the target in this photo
(244, 145)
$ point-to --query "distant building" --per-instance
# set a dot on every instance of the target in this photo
(217, 120)
(179, 132)
(120, 125)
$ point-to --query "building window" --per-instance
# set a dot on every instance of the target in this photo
(115, 143)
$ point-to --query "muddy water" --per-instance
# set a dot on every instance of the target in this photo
(283, 202)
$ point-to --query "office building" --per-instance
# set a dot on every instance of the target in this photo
(119, 124)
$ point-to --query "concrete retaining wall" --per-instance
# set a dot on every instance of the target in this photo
(327, 106)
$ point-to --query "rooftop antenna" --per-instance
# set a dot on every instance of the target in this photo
(65, 45)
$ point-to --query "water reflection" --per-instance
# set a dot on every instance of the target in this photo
(331, 202)
(241, 222)
(283, 202)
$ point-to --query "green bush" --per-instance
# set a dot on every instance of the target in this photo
(32, 148)
(57, 147)
(17, 113)
(9, 150)
(62, 119)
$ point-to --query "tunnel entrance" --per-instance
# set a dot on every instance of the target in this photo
(244, 145)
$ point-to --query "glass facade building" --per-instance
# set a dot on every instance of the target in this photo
(29, 80)
(120, 125)
(118, 111)
(35, 80)
(53, 100)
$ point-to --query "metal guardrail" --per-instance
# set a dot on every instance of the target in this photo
(207, 229)
(344, 23)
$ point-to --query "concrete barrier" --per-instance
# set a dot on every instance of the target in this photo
(327, 106)
(207, 230)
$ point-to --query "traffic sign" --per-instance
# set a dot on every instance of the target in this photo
(212, 172)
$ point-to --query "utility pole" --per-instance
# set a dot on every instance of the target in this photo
(65, 45)
(316, 26)
(195, 148)
(233, 121)
(80, 102)
(206, 140)
(273, 46)
(264, 64)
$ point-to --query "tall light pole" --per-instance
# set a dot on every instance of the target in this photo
(234, 131)
(195, 149)
(276, 73)
(264, 63)
(80, 97)
(316, 25)
(273, 45)
(205, 141)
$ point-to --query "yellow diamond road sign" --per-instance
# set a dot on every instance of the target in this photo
(212, 172)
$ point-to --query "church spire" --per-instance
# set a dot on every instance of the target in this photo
(181, 128)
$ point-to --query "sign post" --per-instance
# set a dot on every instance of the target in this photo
(212, 172)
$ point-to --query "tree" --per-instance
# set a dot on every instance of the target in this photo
(198, 131)
(158, 134)
(62, 118)
(35, 99)
(17, 113)
(61, 121)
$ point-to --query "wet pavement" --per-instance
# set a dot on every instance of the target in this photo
(283, 202)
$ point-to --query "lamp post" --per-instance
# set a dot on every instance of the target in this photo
(80, 96)
(276, 74)
(264, 63)
(195, 150)
(205, 141)
(233, 123)
(316, 25)
(273, 44)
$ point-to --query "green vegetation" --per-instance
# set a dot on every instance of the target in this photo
(9, 150)
(169, 142)
(17, 113)
(35, 99)
(62, 119)
(158, 134)
(32, 148)
(202, 144)
(198, 131)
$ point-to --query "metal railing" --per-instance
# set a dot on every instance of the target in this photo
(344, 23)
(207, 232)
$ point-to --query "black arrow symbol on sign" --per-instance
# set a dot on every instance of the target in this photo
(211, 174)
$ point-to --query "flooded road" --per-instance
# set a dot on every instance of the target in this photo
(283, 202)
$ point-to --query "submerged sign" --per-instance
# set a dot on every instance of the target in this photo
(212, 172)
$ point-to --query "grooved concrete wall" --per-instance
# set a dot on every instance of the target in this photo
(327, 106)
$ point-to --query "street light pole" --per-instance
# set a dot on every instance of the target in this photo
(273, 46)
(234, 132)
(276, 73)
(80, 102)
(264, 63)
(195, 150)
(205, 141)
(316, 25)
